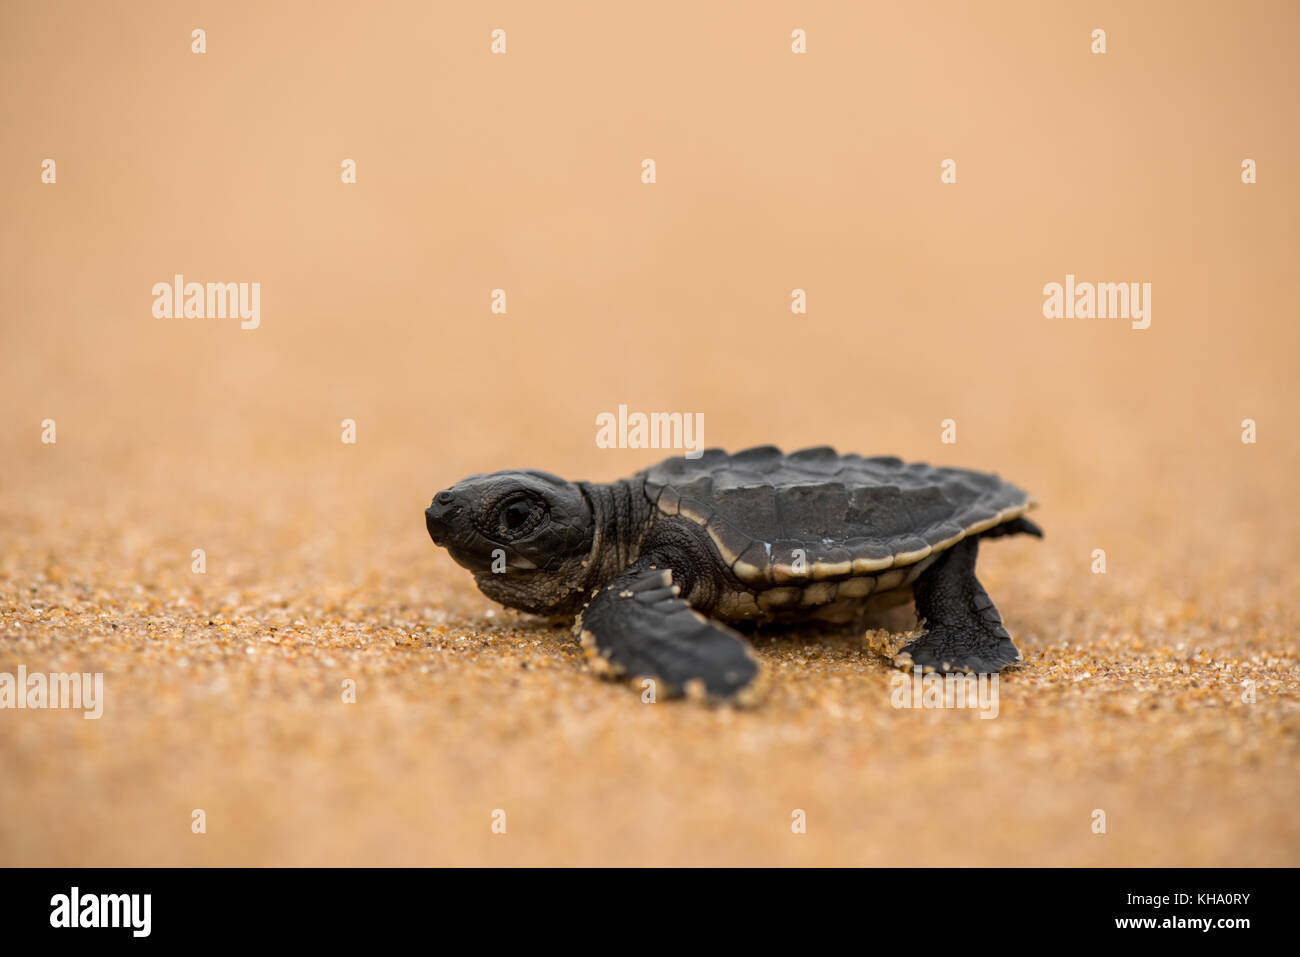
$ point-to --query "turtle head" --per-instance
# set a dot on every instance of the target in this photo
(525, 535)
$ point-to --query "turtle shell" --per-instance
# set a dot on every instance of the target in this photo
(816, 515)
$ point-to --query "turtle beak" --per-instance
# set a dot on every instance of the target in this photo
(440, 515)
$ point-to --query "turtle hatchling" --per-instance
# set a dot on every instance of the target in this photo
(657, 567)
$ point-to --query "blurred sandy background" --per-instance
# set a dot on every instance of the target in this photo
(522, 172)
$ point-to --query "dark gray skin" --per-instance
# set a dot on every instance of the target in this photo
(651, 591)
(561, 541)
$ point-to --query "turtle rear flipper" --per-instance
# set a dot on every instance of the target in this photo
(963, 629)
(636, 625)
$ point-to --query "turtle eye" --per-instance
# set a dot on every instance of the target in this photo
(518, 516)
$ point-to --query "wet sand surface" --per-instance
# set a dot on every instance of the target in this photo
(224, 691)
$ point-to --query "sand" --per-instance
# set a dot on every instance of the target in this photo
(225, 691)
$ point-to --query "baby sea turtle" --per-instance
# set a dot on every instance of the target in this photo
(653, 566)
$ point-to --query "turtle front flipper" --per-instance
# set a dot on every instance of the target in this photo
(963, 629)
(638, 626)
